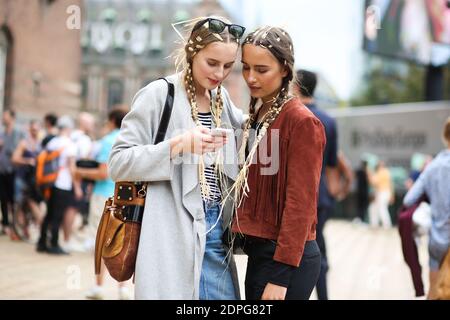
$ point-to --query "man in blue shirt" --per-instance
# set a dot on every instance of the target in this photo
(434, 183)
(103, 189)
(305, 86)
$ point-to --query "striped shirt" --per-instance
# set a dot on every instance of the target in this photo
(215, 195)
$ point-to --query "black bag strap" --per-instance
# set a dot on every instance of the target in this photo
(165, 118)
(163, 124)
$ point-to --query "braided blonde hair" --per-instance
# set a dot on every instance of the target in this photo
(200, 37)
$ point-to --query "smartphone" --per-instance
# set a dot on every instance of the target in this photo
(220, 132)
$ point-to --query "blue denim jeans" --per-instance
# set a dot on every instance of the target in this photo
(215, 281)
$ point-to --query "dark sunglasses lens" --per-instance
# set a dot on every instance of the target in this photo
(216, 26)
(236, 31)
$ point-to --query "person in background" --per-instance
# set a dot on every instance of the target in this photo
(24, 158)
(81, 137)
(414, 173)
(9, 139)
(362, 192)
(103, 189)
(384, 190)
(434, 183)
(51, 130)
(304, 88)
(65, 189)
(342, 178)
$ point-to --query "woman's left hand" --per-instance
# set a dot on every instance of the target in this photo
(274, 292)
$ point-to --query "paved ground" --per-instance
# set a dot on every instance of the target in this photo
(365, 264)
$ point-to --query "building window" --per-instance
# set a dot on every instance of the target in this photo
(84, 91)
(84, 88)
(115, 92)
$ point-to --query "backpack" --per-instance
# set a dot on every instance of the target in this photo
(47, 168)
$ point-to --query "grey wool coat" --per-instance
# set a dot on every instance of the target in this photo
(172, 241)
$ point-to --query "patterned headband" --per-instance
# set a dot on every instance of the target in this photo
(259, 38)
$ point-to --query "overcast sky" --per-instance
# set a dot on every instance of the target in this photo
(327, 34)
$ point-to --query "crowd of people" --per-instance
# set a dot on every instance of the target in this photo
(74, 202)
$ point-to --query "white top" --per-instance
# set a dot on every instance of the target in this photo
(83, 144)
(64, 180)
(210, 174)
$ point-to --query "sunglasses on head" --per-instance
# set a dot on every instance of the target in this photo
(217, 26)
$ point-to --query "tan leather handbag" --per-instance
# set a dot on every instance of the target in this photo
(119, 229)
(443, 280)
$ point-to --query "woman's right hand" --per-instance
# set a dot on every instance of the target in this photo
(199, 141)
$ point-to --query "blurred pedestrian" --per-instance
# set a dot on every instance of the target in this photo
(103, 189)
(28, 199)
(66, 188)
(434, 183)
(415, 173)
(9, 139)
(384, 191)
(51, 130)
(362, 192)
(82, 138)
(344, 177)
(305, 87)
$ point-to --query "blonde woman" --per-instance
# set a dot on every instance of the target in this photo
(181, 254)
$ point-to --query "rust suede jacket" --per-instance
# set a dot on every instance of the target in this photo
(282, 204)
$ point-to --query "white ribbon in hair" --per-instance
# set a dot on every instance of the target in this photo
(184, 22)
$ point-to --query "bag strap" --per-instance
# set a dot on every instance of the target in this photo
(165, 118)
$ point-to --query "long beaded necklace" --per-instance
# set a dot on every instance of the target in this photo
(216, 111)
(240, 187)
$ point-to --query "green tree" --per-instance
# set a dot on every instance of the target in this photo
(387, 83)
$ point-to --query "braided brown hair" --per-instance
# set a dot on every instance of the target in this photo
(278, 42)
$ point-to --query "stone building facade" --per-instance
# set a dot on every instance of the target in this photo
(127, 44)
(40, 56)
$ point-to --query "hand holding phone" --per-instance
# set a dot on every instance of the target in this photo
(220, 136)
(220, 132)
